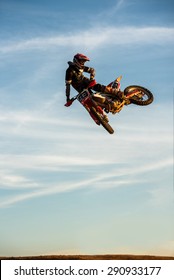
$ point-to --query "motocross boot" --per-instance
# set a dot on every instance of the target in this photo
(115, 92)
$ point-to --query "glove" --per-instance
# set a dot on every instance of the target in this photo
(69, 102)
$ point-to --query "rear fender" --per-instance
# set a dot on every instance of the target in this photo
(116, 81)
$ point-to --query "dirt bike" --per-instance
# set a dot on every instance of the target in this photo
(97, 107)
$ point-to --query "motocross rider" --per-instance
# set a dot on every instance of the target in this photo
(74, 76)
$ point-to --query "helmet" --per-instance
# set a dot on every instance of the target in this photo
(80, 59)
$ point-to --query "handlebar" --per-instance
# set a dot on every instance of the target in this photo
(69, 103)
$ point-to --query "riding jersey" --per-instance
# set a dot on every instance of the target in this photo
(74, 76)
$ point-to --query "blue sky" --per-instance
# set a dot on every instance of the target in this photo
(66, 185)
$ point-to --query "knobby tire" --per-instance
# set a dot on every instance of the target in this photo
(135, 99)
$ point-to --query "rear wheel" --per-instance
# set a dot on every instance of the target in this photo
(103, 122)
(143, 98)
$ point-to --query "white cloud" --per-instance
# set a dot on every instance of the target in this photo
(116, 177)
(93, 38)
(14, 181)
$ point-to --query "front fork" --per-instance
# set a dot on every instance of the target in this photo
(98, 110)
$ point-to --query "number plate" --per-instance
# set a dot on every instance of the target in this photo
(82, 96)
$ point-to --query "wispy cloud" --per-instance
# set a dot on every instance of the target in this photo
(14, 181)
(99, 181)
(113, 10)
(116, 177)
(95, 37)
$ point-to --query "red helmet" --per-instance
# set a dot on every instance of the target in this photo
(80, 59)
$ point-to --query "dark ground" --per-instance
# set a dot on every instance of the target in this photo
(89, 257)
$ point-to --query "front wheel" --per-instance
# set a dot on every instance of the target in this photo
(104, 123)
(142, 96)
